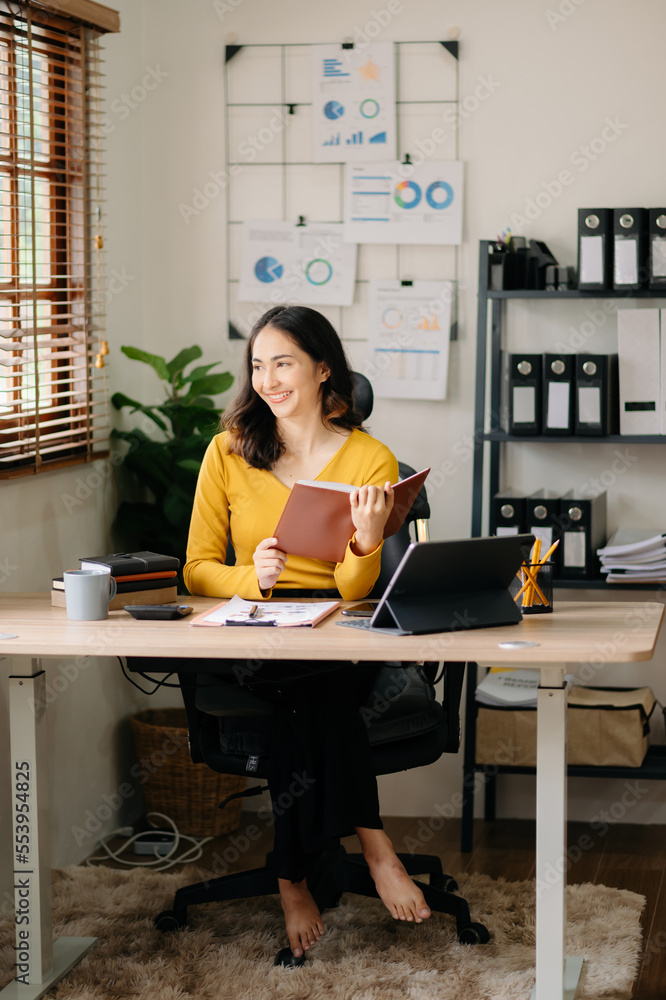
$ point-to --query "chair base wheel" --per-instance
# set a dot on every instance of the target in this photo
(169, 920)
(474, 934)
(444, 882)
(287, 958)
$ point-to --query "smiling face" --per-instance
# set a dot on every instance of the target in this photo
(285, 376)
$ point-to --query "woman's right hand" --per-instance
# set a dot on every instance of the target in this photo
(269, 561)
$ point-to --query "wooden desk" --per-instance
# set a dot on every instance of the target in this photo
(575, 633)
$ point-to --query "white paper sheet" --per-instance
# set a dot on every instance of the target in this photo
(408, 340)
(305, 265)
(353, 103)
(237, 611)
(395, 202)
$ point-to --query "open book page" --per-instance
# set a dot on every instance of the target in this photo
(342, 487)
(238, 611)
(316, 521)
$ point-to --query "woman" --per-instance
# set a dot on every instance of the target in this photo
(294, 418)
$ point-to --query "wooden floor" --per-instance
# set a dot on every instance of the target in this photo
(625, 856)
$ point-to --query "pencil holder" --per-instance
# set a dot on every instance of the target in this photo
(532, 588)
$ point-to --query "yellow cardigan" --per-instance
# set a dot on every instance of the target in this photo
(235, 500)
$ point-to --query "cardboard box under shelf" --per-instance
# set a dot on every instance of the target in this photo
(606, 727)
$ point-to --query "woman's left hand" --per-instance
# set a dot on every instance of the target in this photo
(370, 508)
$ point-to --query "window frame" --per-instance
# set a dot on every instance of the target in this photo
(74, 243)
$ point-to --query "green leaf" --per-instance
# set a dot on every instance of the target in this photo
(119, 399)
(134, 435)
(182, 360)
(209, 385)
(195, 418)
(190, 465)
(200, 371)
(154, 360)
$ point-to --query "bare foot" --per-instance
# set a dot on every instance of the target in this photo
(401, 897)
(301, 915)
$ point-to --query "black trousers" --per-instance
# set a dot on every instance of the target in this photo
(321, 779)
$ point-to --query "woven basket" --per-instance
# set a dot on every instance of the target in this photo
(186, 792)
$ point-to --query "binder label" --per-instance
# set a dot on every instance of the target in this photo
(558, 405)
(591, 260)
(626, 262)
(574, 550)
(524, 404)
(589, 405)
(659, 257)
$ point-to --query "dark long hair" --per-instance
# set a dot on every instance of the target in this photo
(252, 426)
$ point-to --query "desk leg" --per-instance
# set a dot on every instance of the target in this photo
(39, 963)
(556, 976)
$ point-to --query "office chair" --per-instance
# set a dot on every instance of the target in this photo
(229, 729)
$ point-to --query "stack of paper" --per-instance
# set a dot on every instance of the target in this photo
(634, 555)
(512, 688)
(509, 688)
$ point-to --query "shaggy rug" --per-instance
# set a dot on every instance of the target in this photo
(228, 951)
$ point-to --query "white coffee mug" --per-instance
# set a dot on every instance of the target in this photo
(88, 594)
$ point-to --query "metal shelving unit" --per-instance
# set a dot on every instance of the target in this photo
(487, 456)
(487, 466)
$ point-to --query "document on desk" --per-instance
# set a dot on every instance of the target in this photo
(253, 614)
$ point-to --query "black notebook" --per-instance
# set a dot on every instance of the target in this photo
(124, 563)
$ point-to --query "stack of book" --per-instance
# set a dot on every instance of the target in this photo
(141, 578)
(634, 555)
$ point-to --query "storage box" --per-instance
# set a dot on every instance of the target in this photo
(606, 727)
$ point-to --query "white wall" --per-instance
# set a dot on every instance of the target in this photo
(551, 87)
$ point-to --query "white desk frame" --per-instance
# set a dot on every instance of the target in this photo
(574, 633)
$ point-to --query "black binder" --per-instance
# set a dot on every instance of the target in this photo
(630, 245)
(595, 249)
(542, 510)
(583, 526)
(558, 402)
(507, 513)
(451, 586)
(597, 404)
(522, 391)
(657, 248)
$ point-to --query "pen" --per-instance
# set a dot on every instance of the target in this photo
(252, 613)
(252, 621)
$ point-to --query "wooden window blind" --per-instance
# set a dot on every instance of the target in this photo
(53, 402)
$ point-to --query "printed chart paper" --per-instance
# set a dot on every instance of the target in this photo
(404, 202)
(353, 103)
(306, 265)
(408, 343)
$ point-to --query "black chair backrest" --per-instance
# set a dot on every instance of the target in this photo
(362, 395)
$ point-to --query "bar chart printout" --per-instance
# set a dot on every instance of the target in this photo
(353, 104)
(408, 340)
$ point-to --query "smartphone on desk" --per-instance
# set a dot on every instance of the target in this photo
(364, 610)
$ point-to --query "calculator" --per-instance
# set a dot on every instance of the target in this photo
(158, 612)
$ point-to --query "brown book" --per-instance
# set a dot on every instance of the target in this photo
(317, 522)
(167, 595)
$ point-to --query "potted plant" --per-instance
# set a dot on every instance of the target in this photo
(165, 467)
